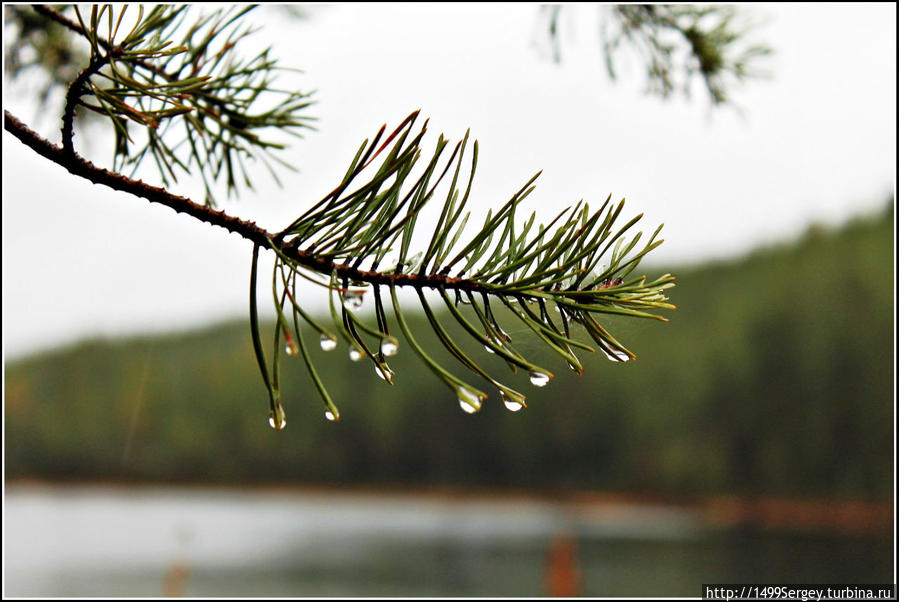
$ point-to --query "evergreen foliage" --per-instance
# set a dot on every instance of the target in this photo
(525, 269)
(181, 81)
(677, 42)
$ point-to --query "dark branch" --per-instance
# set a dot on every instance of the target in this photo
(81, 167)
(74, 94)
(57, 16)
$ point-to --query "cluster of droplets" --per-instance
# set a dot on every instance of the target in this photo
(469, 401)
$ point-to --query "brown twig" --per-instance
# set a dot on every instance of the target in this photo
(76, 90)
(77, 165)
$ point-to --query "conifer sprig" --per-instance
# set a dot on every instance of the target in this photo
(358, 238)
(557, 279)
(220, 109)
(678, 41)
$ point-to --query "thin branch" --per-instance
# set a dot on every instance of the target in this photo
(81, 167)
(73, 95)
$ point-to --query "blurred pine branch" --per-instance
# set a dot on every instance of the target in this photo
(676, 43)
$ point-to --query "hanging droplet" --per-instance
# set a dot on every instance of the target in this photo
(616, 355)
(331, 416)
(468, 408)
(291, 348)
(327, 343)
(538, 379)
(389, 347)
(276, 418)
(512, 403)
(512, 406)
(356, 354)
(468, 400)
(385, 373)
(352, 300)
(489, 350)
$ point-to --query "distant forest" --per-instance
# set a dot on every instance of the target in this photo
(775, 376)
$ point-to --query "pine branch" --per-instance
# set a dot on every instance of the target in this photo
(359, 238)
(77, 89)
(331, 241)
(221, 103)
(708, 35)
(580, 267)
(676, 42)
(77, 165)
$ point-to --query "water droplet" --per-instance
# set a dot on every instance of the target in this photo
(356, 354)
(468, 408)
(512, 403)
(276, 419)
(389, 347)
(385, 373)
(616, 355)
(575, 368)
(538, 379)
(489, 350)
(352, 300)
(468, 400)
(332, 416)
(290, 348)
(327, 343)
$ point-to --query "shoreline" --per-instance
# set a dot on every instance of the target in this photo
(797, 515)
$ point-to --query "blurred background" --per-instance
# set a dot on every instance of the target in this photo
(753, 439)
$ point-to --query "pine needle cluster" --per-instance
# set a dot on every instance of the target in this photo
(181, 82)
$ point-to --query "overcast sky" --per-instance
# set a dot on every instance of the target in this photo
(816, 142)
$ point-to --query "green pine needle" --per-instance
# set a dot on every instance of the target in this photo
(576, 264)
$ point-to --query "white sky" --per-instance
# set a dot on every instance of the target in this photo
(815, 142)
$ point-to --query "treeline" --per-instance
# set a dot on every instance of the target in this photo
(774, 376)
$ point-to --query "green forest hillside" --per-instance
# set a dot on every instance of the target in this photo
(774, 376)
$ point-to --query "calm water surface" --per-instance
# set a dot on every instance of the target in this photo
(94, 541)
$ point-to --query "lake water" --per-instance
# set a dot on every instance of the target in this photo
(142, 541)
